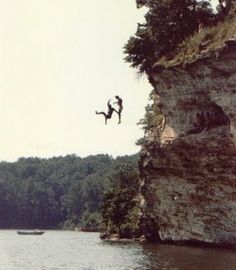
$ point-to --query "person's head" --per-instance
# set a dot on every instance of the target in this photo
(117, 97)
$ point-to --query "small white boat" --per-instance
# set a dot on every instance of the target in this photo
(30, 232)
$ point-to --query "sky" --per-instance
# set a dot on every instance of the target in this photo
(59, 62)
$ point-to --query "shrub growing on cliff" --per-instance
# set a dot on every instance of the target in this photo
(153, 118)
(168, 22)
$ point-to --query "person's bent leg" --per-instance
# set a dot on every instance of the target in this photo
(100, 113)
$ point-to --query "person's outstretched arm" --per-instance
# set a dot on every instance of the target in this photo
(108, 103)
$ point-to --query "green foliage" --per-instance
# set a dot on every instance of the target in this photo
(90, 221)
(168, 23)
(209, 38)
(120, 207)
(130, 227)
(58, 192)
(153, 118)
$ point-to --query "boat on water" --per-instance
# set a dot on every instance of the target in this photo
(30, 232)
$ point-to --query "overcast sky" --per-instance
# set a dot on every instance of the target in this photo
(59, 62)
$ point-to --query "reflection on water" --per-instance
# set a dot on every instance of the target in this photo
(170, 257)
(57, 250)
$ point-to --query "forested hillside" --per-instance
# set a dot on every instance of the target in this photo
(60, 192)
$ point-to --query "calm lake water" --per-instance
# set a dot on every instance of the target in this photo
(63, 250)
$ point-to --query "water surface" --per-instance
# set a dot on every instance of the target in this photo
(63, 250)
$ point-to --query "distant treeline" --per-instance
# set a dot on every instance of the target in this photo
(60, 192)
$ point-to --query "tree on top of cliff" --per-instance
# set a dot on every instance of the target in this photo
(168, 23)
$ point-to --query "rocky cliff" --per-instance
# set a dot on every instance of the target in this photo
(188, 163)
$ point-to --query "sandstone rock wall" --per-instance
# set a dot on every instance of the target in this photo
(188, 165)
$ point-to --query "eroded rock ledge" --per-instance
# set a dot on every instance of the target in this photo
(188, 165)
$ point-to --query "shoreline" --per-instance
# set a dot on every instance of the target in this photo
(187, 243)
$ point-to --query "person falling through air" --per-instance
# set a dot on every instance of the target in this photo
(119, 102)
(109, 112)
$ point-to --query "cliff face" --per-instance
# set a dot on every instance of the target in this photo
(188, 164)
